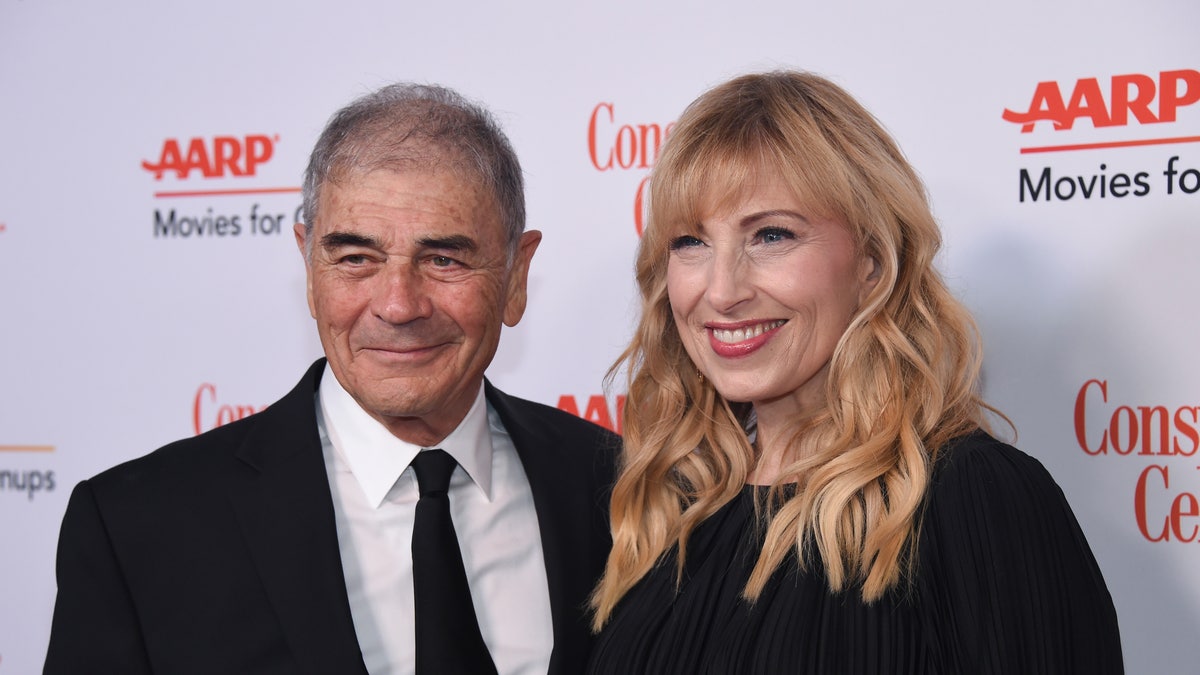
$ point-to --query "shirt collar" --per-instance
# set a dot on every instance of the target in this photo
(376, 458)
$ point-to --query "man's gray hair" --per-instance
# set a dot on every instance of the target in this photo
(407, 126)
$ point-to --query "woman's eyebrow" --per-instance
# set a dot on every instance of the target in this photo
(753, 218)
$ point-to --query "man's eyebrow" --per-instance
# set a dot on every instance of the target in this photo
(340, 239)
(454, 242)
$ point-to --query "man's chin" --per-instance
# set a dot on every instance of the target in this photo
(416, 399)
(404, 403)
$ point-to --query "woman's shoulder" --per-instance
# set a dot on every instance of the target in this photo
(1005, 568)
(983, 488)
(978, 464)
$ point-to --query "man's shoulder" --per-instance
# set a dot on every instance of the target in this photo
(187, 471)
(184, 456)
(200, 458)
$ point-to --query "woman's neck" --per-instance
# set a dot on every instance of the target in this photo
(774, 442)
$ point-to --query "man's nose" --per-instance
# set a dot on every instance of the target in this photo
(402, 294)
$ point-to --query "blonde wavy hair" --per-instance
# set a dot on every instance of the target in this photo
(902, 382)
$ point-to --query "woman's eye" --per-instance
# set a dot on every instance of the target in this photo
(685, 241)
(774, 235)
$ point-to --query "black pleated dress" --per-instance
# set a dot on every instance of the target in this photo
(1005, 583)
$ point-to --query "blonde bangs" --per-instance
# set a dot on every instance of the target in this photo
(729, 152)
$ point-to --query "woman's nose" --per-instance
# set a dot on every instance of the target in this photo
(728, 281)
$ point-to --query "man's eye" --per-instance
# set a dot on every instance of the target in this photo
(443, 261)
(353, 259)
(685, 241)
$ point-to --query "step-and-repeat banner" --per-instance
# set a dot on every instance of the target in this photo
(150, 287)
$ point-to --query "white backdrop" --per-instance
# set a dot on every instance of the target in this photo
(123, 328)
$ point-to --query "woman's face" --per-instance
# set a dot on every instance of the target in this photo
(762, 293)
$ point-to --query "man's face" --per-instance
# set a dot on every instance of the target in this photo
(409, 282)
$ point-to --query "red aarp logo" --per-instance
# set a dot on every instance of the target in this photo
(217, 157)
(597, 410)
(1149, 100)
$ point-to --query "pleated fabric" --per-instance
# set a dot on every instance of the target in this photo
(1005, 583)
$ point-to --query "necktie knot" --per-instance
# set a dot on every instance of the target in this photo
(434, 468)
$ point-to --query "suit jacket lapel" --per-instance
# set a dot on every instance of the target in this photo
(284, 507)
(572, 525)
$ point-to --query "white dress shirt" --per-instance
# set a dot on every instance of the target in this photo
(374, 501)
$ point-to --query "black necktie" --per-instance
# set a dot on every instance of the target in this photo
(448, 638)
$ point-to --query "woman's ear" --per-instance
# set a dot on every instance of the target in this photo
(869, 272)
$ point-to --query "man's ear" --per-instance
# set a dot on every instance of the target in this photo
(302, 244)
(518, 278)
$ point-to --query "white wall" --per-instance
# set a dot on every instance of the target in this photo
(110, 334)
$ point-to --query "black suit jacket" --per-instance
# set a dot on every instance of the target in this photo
(219, 553)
